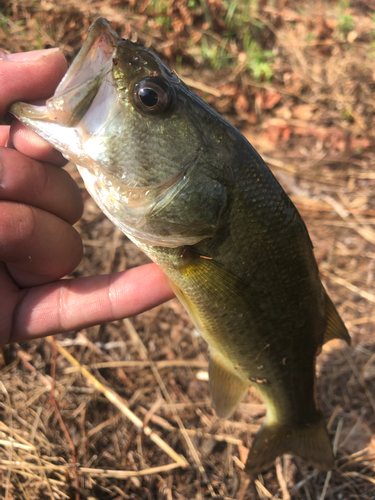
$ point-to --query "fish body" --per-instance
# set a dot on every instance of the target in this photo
(196, 197)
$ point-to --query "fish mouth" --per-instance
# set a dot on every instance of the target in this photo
(80, 85)
(75, 121)
(84, 100)
(96, 51)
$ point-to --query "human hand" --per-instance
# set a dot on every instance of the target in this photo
(39, 202)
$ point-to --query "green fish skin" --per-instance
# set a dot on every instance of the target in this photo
(197, 198)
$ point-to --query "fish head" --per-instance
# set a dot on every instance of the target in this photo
(138, 136)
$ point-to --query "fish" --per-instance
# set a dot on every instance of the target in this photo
(186, 186)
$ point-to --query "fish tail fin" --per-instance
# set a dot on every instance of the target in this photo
(310, 442)
(335, 328)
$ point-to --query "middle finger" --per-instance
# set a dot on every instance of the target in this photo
(29, 143)
(41, 185)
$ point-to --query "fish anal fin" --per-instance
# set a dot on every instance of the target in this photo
(226, 388)
(335, 328)
(311, 443)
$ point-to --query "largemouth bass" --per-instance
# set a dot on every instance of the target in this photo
(195, 196)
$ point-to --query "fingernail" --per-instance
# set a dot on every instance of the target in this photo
(32, 55)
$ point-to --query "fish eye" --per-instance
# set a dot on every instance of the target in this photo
(151, 95)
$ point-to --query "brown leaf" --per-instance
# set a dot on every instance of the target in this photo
(251, 118)
(196, 35)
(270, 98)
(303, 111)
(186, 15)
(178, 26)
(293, 83)
(352, 35)
(241, 104)
(284, 112)
(229, 89)
(276, 133)
(323, 31)
(243, 453)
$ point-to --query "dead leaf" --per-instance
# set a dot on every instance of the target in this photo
(243, 453)
(277, 130)
(303, 111)
(323, 30)
(293, 83)
(284, 112)
(351, 36)
(270, 98)
(178, 26)
(241, 104)
(229, 89)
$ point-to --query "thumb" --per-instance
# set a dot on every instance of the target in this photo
(29, 76)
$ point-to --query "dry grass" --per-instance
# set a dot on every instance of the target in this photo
(122, 410)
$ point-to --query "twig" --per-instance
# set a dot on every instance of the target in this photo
(362, 476)
(19, 467)
(238, 462)
(25, 445)
(14, 444)
(244, 485)
(23, 357)
(159, 380)
(7, 485)
(118, 402)
(368, 296)
(201, 86)
(366, 232)
(55, 407)
(151, 412)
(192, 432)
(302, 483)
(135, 338)
(359, 378)
(335, 446)
(281, 479)
(180, 363)
(262, 490)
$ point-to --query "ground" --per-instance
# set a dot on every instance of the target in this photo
(122, 410)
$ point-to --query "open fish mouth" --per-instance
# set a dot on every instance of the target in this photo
(88, 67)
(83, 82)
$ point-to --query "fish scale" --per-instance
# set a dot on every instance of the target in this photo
(196, 197)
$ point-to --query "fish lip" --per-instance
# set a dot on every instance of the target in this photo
(80, 83)
(96, 51)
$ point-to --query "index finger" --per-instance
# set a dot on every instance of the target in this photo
(72, 304)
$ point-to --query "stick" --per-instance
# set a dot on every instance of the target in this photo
(118, 402)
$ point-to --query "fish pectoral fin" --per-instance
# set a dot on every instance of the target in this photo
(335, 328)
(216, 284)
(310, 442)
(226, 388)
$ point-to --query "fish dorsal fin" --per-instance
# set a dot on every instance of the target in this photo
(226, 388)
(335, 328)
